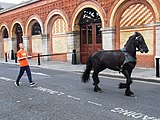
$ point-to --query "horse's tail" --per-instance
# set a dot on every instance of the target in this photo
(86, 73)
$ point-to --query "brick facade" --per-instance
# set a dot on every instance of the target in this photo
(60, 31)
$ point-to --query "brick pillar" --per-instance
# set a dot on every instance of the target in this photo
(158, 39)
(73, 42)
(108, 38)
(45, 46)
(26, 43)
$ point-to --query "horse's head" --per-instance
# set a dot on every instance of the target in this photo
(140, 43)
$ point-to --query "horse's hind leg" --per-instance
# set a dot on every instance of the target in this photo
(96, 81)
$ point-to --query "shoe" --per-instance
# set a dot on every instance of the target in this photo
(32, 84)
(16, 84)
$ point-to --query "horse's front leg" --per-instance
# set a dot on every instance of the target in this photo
(96, 81)
(127, 74)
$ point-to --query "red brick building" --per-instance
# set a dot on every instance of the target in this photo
(60, 26)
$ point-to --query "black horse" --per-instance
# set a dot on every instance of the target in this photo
(123, 60)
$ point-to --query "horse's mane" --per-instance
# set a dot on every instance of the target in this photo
(130, 38)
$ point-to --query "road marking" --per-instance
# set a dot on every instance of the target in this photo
(30, 98)
(42, 74)
(43, 89)
(133, 114)
(94, 103)
(117, 110)
(69, 96)
(6, 79)
(61, 93)
(46, 90)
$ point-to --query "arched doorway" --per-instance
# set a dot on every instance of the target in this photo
(90, 34)
(5, 33)
(34, 31)
(57, 27)
(137, 17)
(17, 34)
(5, 42)
(36, 42)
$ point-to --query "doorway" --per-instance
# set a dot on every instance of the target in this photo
(90, 33)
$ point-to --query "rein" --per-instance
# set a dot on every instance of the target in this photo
(120, 50)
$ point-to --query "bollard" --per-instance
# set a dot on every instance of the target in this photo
(6, 60)
(157, 67)
(74, 60)
(12, 55)
(15, 57)
(39, 62)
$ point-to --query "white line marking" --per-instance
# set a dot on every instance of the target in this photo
(30, 98)
(42, 74)
(47, 90)
(6, 79)
(73, 97)
(95, 103)
(133, 114)
(60, 93)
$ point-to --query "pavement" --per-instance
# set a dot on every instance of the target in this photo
(139, 73)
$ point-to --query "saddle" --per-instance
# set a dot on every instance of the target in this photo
(128, 58)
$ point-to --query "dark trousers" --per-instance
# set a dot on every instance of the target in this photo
(21, 72)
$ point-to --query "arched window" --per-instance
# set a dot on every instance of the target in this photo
(36, 29)
(18, 29)
(89, 15)
(5, 33)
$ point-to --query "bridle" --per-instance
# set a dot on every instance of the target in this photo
(137, 42)
(139, 45)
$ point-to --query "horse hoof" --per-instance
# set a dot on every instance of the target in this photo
(131, 94)
(97, 90)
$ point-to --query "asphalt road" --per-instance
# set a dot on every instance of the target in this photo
(60, 95)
